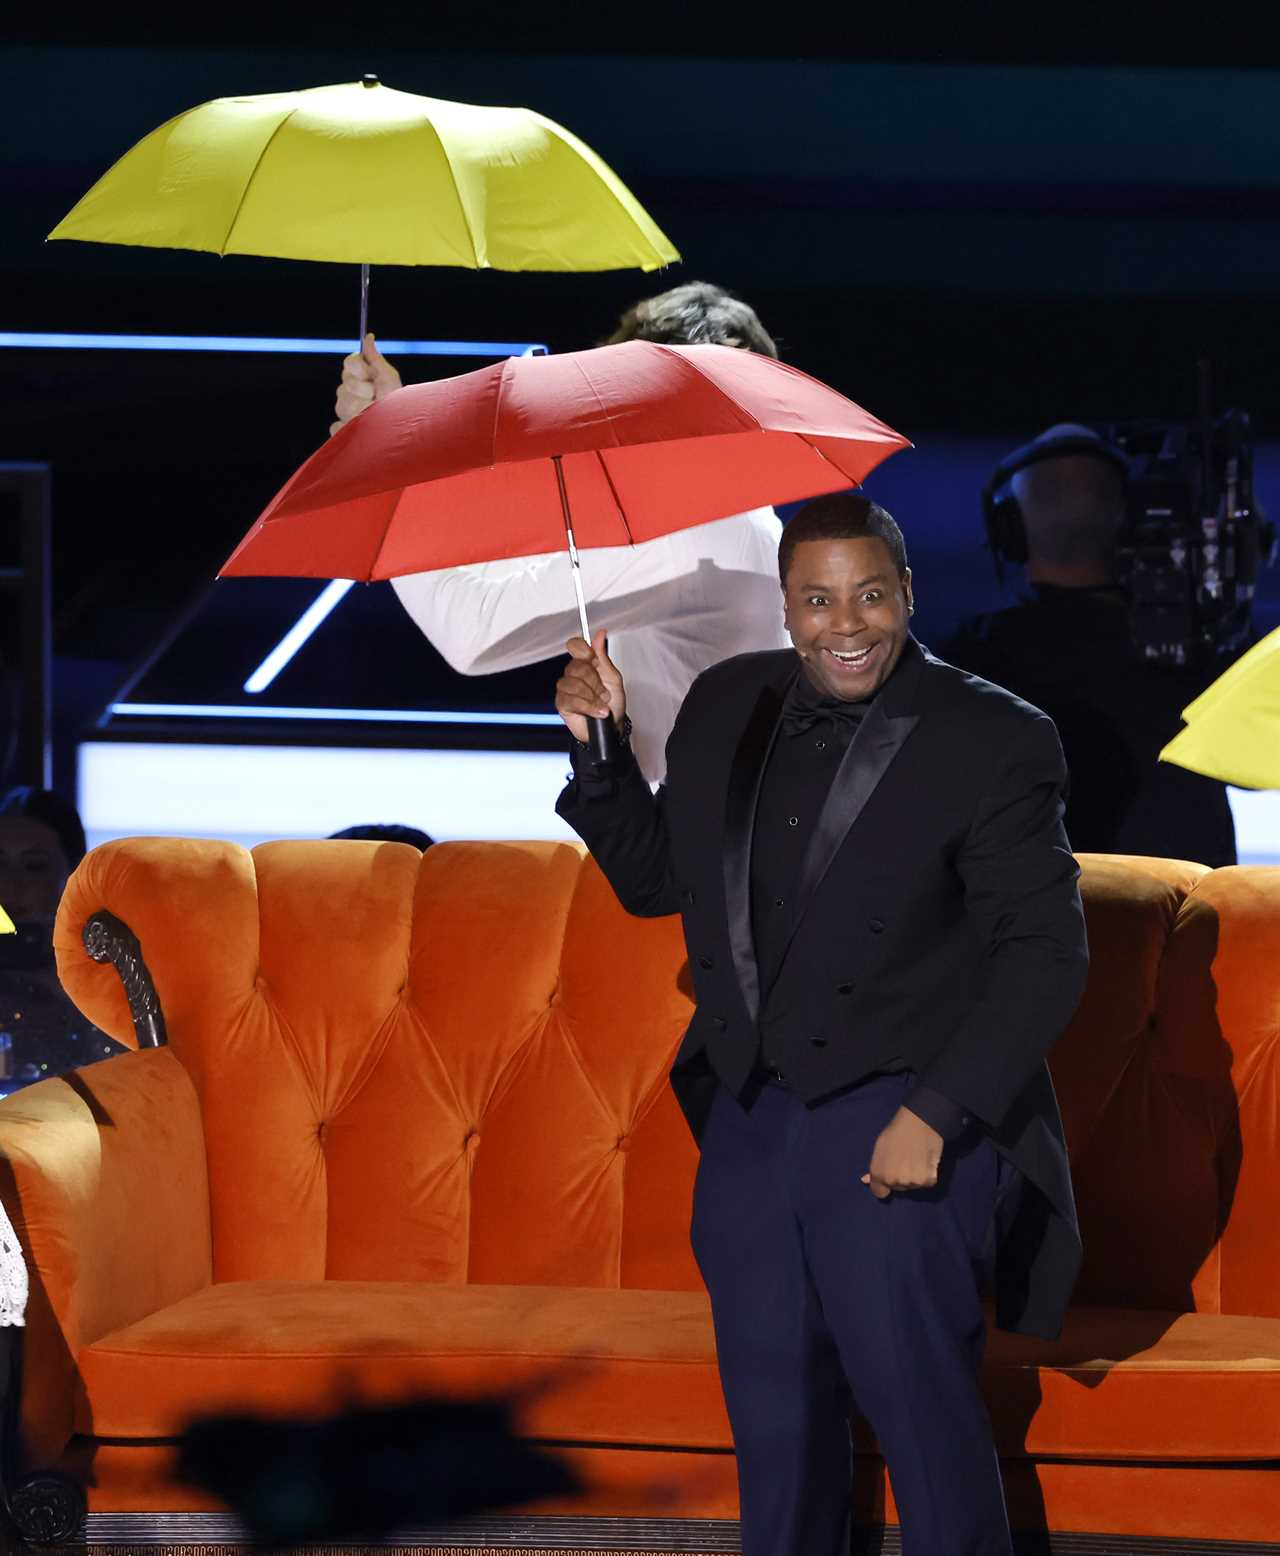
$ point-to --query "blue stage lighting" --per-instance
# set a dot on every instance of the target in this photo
(319, 609)
(250, 710)
(45, 340)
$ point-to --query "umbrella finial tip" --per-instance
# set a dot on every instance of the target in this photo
(369, 79)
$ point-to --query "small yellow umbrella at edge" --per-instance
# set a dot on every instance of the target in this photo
(1233, 727)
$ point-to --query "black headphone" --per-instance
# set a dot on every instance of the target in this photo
(1005, 526)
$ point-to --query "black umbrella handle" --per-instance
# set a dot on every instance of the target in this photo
(602, 737)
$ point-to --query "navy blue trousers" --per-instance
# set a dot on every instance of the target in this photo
(826, 1299)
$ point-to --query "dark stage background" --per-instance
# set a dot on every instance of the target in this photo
(975, 228)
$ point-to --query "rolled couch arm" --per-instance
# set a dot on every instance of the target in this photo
(103, 1174)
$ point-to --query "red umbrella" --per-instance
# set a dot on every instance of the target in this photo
(606, 447)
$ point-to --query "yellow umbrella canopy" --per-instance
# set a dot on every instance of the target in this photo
(1233, 727)
(7, 926)
(360, 173)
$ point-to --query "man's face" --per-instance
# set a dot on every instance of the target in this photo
(846, 608)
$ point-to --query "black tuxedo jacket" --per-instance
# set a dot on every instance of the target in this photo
(937, 921)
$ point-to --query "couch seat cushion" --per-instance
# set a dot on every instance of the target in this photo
(632, 1367)
(1131, 1385)
(638, 1367)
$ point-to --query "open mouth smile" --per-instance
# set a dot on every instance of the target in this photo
(850, 659)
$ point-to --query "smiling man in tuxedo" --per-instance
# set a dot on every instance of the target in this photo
(885, 934)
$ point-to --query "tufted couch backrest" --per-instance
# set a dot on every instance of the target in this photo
(1169, 1087)
(438, 1067)
(452, 1067)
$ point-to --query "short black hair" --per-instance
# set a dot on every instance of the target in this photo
(841, 516)
(695, 314)
(57, 814)
(385, 832)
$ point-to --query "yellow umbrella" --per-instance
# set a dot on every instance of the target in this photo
(360, 173)
(7, 926)
(1233, 727)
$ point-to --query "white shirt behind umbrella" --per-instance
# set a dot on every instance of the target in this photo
(672, 608)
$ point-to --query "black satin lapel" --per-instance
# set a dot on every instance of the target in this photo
(749, 763)
(865, 762)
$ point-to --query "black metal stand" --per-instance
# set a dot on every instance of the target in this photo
(44, 1507)
(32, 485)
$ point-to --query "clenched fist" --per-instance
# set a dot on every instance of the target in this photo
(366, 376)
(906, 1156)
(590, 687)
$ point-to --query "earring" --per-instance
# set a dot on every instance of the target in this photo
(911, 610)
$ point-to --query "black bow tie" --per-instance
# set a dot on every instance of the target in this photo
(799, 718)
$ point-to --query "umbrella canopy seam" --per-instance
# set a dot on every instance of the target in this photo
(568, 139)
(834, 463)
(504, 372)
(750, 423)
(248, 183)
(462, 204)
(386, 530)
(595, 395)
(613, 492)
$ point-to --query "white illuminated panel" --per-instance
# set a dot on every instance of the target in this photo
(1257, 816)
(250, 793)
(247, 794)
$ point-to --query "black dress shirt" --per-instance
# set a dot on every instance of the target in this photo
(813, 735)
(815, 731)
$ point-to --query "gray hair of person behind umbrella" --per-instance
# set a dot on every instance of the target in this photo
(841, 516)
(695, 314)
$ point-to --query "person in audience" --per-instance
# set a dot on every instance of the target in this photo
(386, 832)
(41, 1031)
(671, 606)
(1067, 647)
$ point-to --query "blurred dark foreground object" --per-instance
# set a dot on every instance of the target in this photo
(368, 1471)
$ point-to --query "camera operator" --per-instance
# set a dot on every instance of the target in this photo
(1067, 647)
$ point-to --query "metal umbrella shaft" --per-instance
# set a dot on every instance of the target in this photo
(369, 79)
(602, 734)
(364, 306)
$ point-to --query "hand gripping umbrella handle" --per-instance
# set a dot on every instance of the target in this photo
(602, 734)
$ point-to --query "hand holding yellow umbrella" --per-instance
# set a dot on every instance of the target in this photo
(1233, 728)
(360, 173)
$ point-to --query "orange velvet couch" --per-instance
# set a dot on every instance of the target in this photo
(412, 1133)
